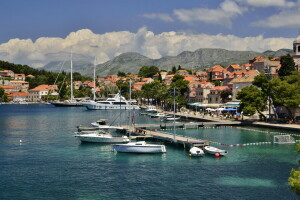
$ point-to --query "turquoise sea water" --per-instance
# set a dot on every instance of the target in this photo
(50, 163)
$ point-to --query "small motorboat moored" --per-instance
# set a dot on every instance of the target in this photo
(214, 151)
(196, 152)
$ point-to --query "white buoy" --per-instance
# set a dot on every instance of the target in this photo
(20, 141)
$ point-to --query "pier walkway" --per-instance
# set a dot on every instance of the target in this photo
(167, 137)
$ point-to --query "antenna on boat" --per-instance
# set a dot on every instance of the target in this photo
(71, 75)
(174, 131)
(94, 92)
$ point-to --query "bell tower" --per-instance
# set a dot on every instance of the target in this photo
(296, 49)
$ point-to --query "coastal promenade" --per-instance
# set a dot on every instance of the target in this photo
(217, 120)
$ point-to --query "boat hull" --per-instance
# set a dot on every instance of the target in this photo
(96, 106)
(102, 139)
(213, 151)
(127, 148)
(67, 104)
(196, 152)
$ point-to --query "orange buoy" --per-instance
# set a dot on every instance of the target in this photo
(217, 154)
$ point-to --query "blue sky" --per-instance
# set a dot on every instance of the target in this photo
(31, 30)
(57, 18)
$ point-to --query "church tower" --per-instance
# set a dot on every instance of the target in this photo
(296, 48)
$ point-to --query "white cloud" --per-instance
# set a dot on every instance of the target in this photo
(86, 44)
(287, 17)
(223, 15)
(163, 17)
(269, 3)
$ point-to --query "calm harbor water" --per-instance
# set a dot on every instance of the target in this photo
(50, 163)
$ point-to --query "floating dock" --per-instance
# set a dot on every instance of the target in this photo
(167, 137)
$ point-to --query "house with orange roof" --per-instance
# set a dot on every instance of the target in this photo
(238, 74)
(202, 91)
(138, 86)
(77, 84)
(11, 88)
(7, 73)
(182, 72)
(215, 94)
(217, 73)
(36, 94)
(168, 79)
(257, 58)
(191, 78)
(20, 77)
(274, 67)
(147, 80)
(29, 76)
(202, 75)
(247, 66)
(239, 83)
(259, 63)
(18, 96)
(112, 76)
(233, 68)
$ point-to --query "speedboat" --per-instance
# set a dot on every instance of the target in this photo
(171, 118)
(140, 147)
(100, 136)
(196, 152)
(158, 115)
(214, 151)
(101, 124)
(151, 109)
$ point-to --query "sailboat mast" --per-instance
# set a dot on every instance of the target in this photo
(72, 96)
(94, 91)
(174, 130)
(130, 90)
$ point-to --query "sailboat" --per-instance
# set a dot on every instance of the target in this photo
(72, 101)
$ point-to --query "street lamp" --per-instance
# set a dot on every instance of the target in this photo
(269, 77)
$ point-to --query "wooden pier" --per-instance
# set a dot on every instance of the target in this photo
(167, 137)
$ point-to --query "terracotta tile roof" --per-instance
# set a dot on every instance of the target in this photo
(20, 75)
(246, 79)
(18, 94)
(216, 68)
(220, 88)
(44, 88)
(235, 66)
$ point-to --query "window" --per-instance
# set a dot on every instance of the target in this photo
(299, 48)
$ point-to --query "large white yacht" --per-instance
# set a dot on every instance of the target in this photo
(116, 102)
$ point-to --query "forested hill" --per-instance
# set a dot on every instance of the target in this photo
(40, 76)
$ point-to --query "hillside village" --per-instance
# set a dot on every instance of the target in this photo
(204, 87)
(201, 83)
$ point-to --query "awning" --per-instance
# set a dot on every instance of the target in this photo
(233, 104)
(230, 109)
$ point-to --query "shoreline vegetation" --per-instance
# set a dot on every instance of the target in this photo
(263, 96)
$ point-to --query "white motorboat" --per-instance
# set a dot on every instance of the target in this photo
(151, 109)
(140, 147)
(171, 118)
(214, 151)
(196, 152)
(101, 124)
(158, 115)
(114, 103)
(100, 136)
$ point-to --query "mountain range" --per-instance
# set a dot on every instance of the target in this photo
(131, 62)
